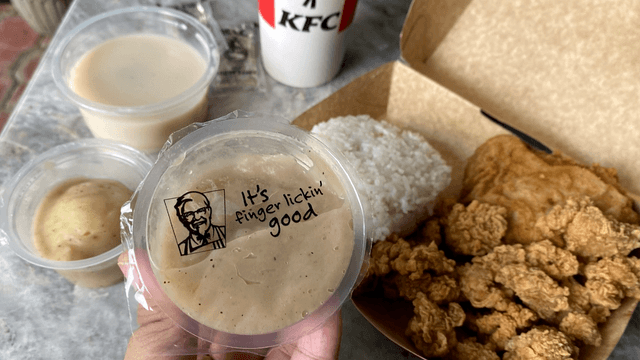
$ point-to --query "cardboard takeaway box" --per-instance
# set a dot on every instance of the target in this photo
(564, 72)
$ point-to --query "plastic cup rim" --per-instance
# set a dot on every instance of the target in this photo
(144, 110)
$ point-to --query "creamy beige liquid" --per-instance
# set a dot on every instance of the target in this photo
(260, 283)
(138, 70)
(79, 219)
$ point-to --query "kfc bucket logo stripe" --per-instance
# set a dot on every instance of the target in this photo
(307, 21)
(267, 10)
(347, 14)
(303, 41)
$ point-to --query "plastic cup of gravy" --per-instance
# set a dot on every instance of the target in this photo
(137, 74)
(58, 210)
(248, 232)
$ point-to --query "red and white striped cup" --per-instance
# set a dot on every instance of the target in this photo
(303, 41)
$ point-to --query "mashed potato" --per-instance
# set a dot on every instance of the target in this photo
(79, 219)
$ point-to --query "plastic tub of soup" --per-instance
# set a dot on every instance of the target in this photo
(61, 210)
(137, 74)
(247, 232)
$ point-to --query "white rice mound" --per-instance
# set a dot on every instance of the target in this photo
(400, 173)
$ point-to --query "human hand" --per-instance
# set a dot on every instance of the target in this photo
(158, 334)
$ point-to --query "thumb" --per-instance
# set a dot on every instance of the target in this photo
(322, 344)
(157, 335)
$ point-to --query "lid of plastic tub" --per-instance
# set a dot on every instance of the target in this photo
(252, 231)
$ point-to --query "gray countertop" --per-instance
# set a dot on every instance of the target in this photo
(42, 316)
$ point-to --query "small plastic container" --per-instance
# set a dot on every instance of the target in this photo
(282, 198)
(23, 193)
(147, 126)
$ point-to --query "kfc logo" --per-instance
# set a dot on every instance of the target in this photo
(307, 15)
(198, 221)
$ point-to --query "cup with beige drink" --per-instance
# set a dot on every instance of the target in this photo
(247, 232)
(137, 74)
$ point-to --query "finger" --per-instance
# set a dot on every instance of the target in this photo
(322, 344)
(123, 263)
(157, 335)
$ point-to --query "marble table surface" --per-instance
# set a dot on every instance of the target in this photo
(42, 316)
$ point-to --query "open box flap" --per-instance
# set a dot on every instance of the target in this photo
(399, 94)
(564, 72)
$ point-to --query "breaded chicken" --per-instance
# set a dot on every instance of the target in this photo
(432, 329)
(415, 261)
(478, 286)
(535, 288)
(541, 343)
(439, 289)
(475, 229)
(554, 261)
(502, 326)
(504, 171)
(612, 279)
(582, 327)
(384, 252)
(471, 349)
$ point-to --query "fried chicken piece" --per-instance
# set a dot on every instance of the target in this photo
(401, 286)
(502, 326)
(587, 232)
(476, 229)
(477, 280)
(444, 289)
(554, 261)
(580, 301)
(592, 235)
(504, 171)
(579, 298)
(554, 223)
(478, 286)
(415, 261)
(502, 256)
(612, 279)
(439, 289)
(599, 314)
(541, 343)
(471, 349)
(432, 328)
(579, 326)
(535, 288)
(384, 252)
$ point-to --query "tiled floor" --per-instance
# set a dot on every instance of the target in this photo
(20, 52)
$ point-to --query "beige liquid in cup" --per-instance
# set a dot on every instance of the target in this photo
(287, 248)
(138, 70)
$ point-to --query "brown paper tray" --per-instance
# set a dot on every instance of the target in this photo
(565, 73)
(455, 127)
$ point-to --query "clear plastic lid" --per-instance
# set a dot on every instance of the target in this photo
(248, 232)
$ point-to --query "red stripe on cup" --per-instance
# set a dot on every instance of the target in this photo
(267, 10)
(347, 14)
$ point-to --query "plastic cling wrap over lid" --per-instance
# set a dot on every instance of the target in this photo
(247, 232)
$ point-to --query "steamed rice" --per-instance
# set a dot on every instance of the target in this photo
(401, 174)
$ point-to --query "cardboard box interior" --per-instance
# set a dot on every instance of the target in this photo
(531, 65)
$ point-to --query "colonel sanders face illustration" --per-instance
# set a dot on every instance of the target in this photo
(194, 211)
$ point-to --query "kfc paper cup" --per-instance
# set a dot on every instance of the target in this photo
(303, 41)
